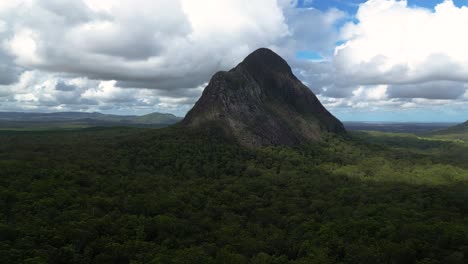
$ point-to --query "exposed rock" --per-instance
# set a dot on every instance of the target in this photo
(260, 102)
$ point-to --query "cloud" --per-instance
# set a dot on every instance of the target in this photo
(428, 90)
(121, 47)
(393, 43)
(62, 86)
(9, 72)
(312, 29)
(38, 91)
(151, 44)
(141, 55)
(392, 57)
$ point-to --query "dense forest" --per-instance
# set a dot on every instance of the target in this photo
(131, 195)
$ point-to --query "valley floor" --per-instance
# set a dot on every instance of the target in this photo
(133, 195)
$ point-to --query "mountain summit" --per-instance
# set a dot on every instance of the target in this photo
(260, 102)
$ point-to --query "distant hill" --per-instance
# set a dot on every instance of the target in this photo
(399, 127)
(458, 132)
(260, 102)
(69, 120)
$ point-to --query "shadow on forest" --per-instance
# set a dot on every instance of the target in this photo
(167, 196)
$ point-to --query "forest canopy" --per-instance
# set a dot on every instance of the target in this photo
(128, 195)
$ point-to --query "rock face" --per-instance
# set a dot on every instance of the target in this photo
(260, 102)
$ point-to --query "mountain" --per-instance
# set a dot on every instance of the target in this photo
(458, 132)
(400, 127)
(260, 102)
(155, 118)
(20, 120)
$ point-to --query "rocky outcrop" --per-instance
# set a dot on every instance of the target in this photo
(260, 102)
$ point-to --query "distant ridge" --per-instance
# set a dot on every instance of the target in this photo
(91, 118)
(403, 127)
(458, 132)
(260, 102)
(460, 128)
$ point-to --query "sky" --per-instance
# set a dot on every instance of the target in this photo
(376, 60)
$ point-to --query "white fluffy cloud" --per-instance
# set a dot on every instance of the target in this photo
(393, 43)
(38, 91)
(122, 55)
(393, 40)
(153, 44)
(396, 57)
(172, 46)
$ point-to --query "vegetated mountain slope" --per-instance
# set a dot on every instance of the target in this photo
(260, 102)
(458, 132)
(156, 118)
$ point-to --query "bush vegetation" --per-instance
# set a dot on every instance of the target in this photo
(121, 195)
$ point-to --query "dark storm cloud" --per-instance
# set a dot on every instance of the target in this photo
(168, 83)
(62, 86)
(428, 90)
(8, 74)
(184, 92)
(9, 71)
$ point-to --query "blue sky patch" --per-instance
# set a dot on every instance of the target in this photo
(309, 55)
(351, 6)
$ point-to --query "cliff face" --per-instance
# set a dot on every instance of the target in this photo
(260, 102)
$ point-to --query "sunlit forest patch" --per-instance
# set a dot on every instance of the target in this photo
(121, 195)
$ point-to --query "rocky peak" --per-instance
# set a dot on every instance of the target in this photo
(260, 102)
(265, 62)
